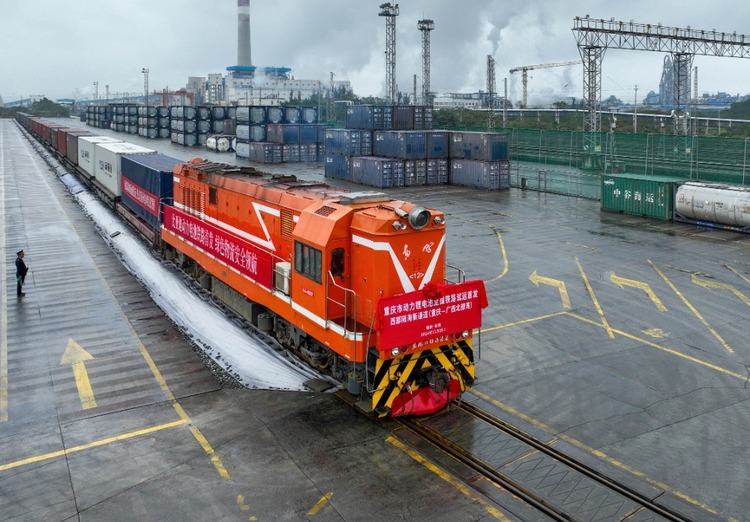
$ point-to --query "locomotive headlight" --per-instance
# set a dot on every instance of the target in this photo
(395, 351)
(419, 217)
(462, 335)
(398, 225)
(438, 220)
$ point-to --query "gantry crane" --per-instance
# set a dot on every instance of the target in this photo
(525, 76)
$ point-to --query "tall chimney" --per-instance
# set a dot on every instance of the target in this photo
(243, 33)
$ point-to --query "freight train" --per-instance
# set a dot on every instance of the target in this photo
(356, 283)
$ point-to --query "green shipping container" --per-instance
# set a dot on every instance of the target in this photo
(640, 195)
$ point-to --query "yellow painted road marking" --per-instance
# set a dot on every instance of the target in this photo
(691, 307)
(95, 444)
(560, 285)
(705, 283)
(499, 515)
(621, 281)
(522, 321)
(679, 354)
(595, 300)
(505, 257)
(745, 279)
(75, 355)
(593, 451)
(322, 502)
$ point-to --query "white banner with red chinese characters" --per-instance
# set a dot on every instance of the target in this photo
(431, 315)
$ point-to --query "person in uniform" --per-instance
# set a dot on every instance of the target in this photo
(21, 270)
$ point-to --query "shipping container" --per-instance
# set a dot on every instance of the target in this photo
(72, 145)
(308, 133)
(399, 144)
(640, 195)
(218, 113)
(242, 114)
(108, 167)
(203, 113)
(259, 152)
(258, 115)
(480, 146)
(283, 133)
(147, 185)
(338, 167)
(369, 117)
(490, 175)
(308, 152)
(309, 115)
(438, 144)
(348, 142)
(87, 152)
(378, 172)
(415, 172)
(403, 117)
(423, 117)
(290, 153)
(437, 171)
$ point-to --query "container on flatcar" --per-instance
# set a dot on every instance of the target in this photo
(72, 145)
(146, 184)
(639, 195)
(108, 166)
(87, 152)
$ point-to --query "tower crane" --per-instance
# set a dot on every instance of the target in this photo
(525, 76)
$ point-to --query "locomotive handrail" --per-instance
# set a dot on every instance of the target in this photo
(344, 305)
(460, 274)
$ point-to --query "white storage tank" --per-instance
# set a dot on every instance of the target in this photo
(714, 202)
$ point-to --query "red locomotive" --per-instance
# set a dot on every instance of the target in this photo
(354, 282)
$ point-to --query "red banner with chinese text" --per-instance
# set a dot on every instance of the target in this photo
(431, 315)
(244, 257)
(143, 197)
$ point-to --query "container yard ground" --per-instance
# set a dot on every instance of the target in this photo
(619, 337)
(142, 430)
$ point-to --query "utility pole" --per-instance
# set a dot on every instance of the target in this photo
(390, 12)
(96, 91)
(330, 99)
(505, 103)
(414, 99)
(635, 111)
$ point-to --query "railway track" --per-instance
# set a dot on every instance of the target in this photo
(551, 482)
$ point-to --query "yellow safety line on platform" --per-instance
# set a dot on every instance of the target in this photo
(95, 444)
(3, 298)
(691, 307)
(505, 257)
(594, 299)
(499, 515)
(167, 392)
(591, 450)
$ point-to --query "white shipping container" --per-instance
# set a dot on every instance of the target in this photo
(108, 163)
(87, 151)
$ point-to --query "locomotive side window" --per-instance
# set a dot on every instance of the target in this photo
(308, 261)
(337, 262)
(212, 197)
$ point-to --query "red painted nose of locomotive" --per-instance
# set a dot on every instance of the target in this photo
(425, 400)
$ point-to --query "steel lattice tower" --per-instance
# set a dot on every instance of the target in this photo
(491, 91)
(390, 12)
(426, 26)
(594, 36)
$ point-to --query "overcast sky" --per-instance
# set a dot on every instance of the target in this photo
(60, 48)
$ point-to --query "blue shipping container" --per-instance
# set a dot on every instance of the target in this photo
(283, 133)
(400, 144)
(338, 167)
(348, 142)
(491, 175)
(308, 133)
(438, 144)
(481, 146)
(437, 171)
(369, 117)
(147, 183)
(378, 172)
